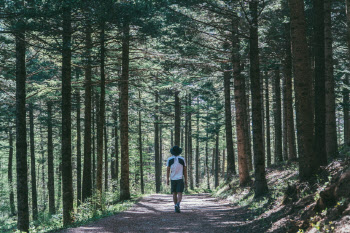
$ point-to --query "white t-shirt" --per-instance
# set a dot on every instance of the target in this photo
(176, 164)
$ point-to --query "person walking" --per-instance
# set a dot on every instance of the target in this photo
(176, 170)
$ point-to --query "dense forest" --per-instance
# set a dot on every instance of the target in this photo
(94, 94)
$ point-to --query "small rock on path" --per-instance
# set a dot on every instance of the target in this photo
(155, 213)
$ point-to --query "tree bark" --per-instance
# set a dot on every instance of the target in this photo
(32, 164)
(106, 154)
(320, 92)
(177, 118)
(78, 146)
(197, 147)
(346, 83)
(9, 173)
(217, 160)
(277, 117)
(190, 152)
(67, 183)
(124, 115)
(285, 132)
(292, 154)
(101, 117)
(331, 127)
(21, 137)
(140, 146)
(231, 170)
(260, 184)
(303, 85)
(156, 144)
(241, 113)
(87, 179)
(268, 137)
(50, 167)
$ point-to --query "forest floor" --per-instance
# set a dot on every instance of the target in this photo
(321, 205)
(155, 213)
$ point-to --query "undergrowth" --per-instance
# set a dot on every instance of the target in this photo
(85, 213)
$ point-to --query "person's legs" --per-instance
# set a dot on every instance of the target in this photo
(179, 197)
(175, 197)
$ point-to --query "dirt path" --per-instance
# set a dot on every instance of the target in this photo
(199, 213)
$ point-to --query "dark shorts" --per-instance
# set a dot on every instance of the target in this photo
(177, 186)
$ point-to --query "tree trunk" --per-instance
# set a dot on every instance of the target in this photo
(228, 125)
(241, 113)
(277, 117)
(87, 179)
(78, 147)
(177, 118)
(331, 127)
(320, 92)
(346, 83)
(156, 145)
(67, 183)
(303, 85)
(9, 173)
(190, 153)
(260, 184)
(140, 147)
(101, 117)
(292, 154)
(268, 137)
(217, 160)
(32, 164)
(21, 131)
(94, 116)
(50, 167)
(197, 147)
(284, 107)
(223, 163)
(106, 154)
(160, 152)
(124, 115)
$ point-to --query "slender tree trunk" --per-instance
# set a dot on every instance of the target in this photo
(277, 117)
(94, 115)
(78, 148)
(124, 115)
(50, 167)
(177, 118)
(207, 162)
(21, 137)
(87, 180)
(268, 137)
(260, 184)
(197, 165)
(247, 123)
(9, 173)
(106, 154)
(172, 138)
(190, 152)
(346, 83)
(241, 113)
(43, 185)
(67, 183)
(156, 144)
(32, 164)
(292, 154)
(101, 117)
(331, 127)
(303, 85)
(228, 125)
(140, 146)
(217, 160)
(223, 163)
(160, 152)
(116, 146)
(320, 88)
(284, 105)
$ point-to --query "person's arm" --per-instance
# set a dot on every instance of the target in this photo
(185, 175)
(167, 175)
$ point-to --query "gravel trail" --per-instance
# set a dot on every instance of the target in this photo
(155, 213)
